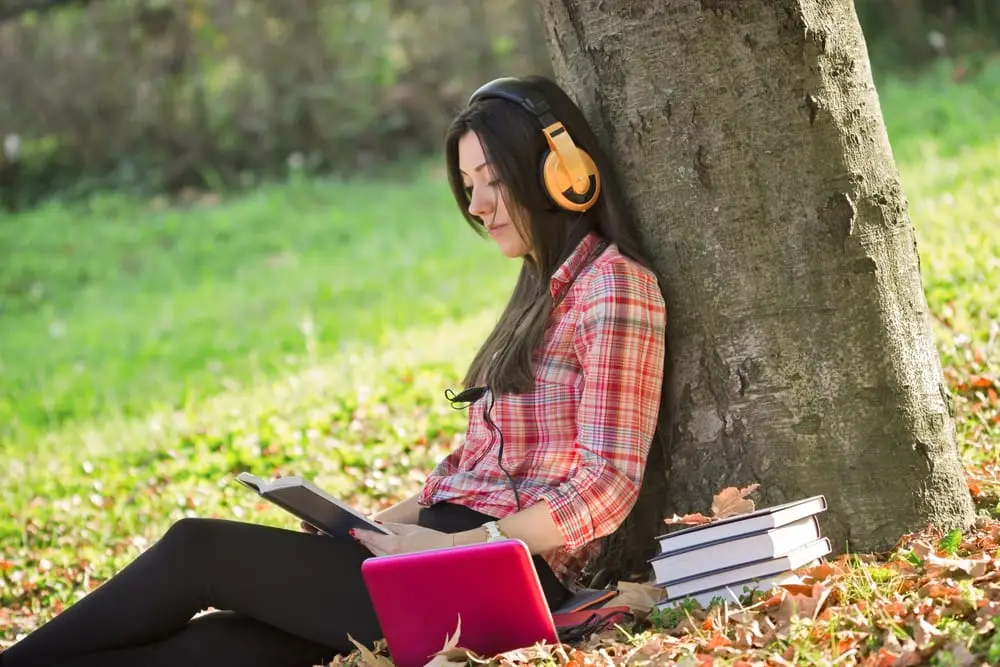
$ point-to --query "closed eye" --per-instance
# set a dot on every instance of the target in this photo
(495, 183)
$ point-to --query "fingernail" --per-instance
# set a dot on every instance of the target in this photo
(352, 533)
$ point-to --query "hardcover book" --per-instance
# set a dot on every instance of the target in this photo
(310, 503)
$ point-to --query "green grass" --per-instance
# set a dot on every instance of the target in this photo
(120, 309)
(147, 353)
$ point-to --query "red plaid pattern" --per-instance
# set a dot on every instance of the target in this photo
(580, 439)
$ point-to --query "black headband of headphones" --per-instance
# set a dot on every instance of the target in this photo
(517, 91)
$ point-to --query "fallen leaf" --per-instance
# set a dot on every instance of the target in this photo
(717, 640)
(925, 633)
(639, 597)
(369, 659)
(981, 381)
(984, 617)
(938, 591)
(802, 606)
(822, 571)
(884, 658)
(451, 653)
(895, 608)
(732, 501)
(975, 567)
(687, 520)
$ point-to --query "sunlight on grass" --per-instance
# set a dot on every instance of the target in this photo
(360, 371)
(148, 354)
(124, 309)
(869, 581)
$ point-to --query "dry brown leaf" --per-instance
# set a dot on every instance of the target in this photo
(655, 647)
(975, 567)
(451, 653)
(639, 597)
(747, 635)
(696, 519)
(922, 549)
(718, 640)
(924, 634)
(539, 653)
(988, 611)
(369, 659)
(732, 501)
(822, 571)
(451, 658)
(802, 606)
(910, 657)
(939, 591)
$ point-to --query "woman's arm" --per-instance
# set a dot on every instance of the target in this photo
(533, 526)
(405, 511)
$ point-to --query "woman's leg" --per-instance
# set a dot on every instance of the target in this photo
(306, 585)
(215, 639)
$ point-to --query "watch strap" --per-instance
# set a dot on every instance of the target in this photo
(493, 532)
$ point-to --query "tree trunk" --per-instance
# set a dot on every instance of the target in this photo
(751, 148)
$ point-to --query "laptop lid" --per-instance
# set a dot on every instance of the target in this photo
(418, 598)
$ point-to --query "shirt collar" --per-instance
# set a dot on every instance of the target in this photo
(574, 264)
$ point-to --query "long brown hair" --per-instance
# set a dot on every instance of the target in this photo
(513, 145)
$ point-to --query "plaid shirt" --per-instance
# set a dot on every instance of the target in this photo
(580, 439)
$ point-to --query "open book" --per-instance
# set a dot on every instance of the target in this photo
(310, 503)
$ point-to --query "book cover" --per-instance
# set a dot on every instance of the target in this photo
(793, 560)
(308, 502)
(699, 559)
(741, 524)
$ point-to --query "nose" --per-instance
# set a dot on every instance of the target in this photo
(482, 202)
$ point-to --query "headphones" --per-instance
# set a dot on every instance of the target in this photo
(568, 174)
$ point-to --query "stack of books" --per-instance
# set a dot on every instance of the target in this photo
(727, 558)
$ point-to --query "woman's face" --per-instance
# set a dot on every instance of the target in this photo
(486, 200)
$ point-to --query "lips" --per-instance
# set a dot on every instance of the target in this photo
(497, 228)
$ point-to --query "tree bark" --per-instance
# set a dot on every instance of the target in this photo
(749, 141)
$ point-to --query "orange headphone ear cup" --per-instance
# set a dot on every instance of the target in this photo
(559, 185)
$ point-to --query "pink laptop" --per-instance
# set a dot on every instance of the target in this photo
(418, 598)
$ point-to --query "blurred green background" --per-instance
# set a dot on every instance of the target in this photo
(148, 96)
(202, 195)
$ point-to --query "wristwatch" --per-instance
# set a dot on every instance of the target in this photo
(493, 532)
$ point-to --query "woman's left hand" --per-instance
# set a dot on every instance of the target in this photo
(406, 538)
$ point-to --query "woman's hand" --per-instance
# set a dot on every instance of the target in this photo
(406, 538)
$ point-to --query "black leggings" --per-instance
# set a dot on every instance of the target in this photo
(290, 598)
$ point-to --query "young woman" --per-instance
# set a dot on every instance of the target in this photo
(562, 402)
